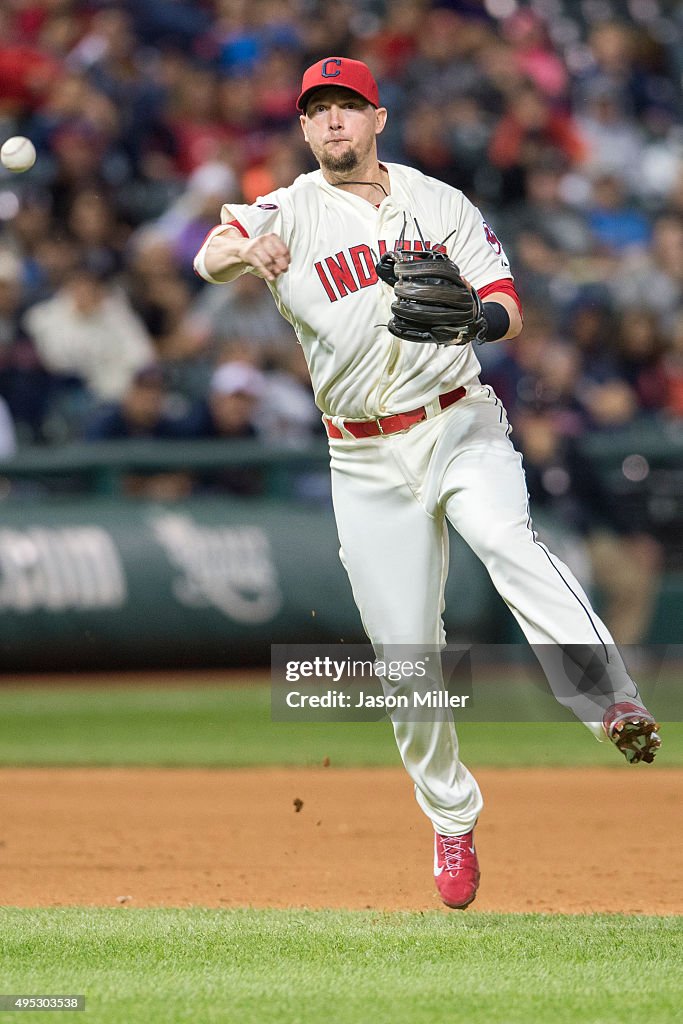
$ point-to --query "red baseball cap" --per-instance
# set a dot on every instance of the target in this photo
(340, 71)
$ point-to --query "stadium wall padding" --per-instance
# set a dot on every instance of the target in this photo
(109, 583)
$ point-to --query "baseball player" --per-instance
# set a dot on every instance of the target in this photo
(388, 277)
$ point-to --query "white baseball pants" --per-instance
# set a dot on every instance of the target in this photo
(392, 496)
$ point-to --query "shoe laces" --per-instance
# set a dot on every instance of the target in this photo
(455, 849)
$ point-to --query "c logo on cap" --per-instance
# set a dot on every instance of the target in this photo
(331, 74)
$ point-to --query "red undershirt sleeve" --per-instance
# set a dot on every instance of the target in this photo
(236, 224)
(505, 285)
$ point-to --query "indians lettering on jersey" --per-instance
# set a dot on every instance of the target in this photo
(354, 268)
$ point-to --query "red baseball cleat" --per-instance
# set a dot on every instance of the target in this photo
(633, 730)
(456, 869)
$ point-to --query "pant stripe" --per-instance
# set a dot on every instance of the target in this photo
(569, 588)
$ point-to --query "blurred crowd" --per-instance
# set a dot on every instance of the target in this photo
(561, 119)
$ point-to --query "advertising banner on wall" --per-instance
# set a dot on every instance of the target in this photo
(115, 584)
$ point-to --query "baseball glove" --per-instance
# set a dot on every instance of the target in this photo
(431, 303)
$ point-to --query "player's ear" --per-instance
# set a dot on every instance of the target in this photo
(302, 122)
(380, 119)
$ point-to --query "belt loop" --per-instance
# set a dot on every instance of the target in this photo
(338, 422)
(433, 408)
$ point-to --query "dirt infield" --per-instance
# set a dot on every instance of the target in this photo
(549, 840)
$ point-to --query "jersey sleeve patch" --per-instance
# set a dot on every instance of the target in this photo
(492, 238)
(261, 218)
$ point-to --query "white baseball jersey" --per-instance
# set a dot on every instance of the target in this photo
(332, 296)
(393, 494)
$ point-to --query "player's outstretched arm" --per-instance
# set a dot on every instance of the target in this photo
(228, 253)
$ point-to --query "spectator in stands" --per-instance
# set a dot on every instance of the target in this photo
(545, 210)
(27, 71)
(109, 55)
(230, 412)
(287, 413)
(197, 134)
(278, 166)
(542, 271)
(93, 225)
(153, 275)
(589, 323)
(617, 224)
(445, 64)
(231, 407)
(653, 278)
(427, 144)
(86, 144)
(240, 44)
(141, 412)
(541, 365)
(534, 54)
(53, 259)
(328, 32)
(187, 221)
(570, 504)
(613, 62)
(88, 330)
(394, 42)
(514, 376)
(529, 127)
(640, 346)
(180, 23)
(606, 398)
(244, 310)
(608, 404)
(237, 108)
(125, 101)
(277, 87)
(613, 141)
(162, 298)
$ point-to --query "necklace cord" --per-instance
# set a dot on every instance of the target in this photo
(376, 184)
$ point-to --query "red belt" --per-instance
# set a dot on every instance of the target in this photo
(389, 424)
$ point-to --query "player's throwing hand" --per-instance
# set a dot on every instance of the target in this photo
(267, 254)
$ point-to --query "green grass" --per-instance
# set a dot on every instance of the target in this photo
(231, 726)
(300, 967)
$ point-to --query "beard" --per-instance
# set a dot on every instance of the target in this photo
(341, 164)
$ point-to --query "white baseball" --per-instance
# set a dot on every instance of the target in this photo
(18, 154)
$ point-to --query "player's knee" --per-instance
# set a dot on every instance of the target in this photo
(501, 543)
